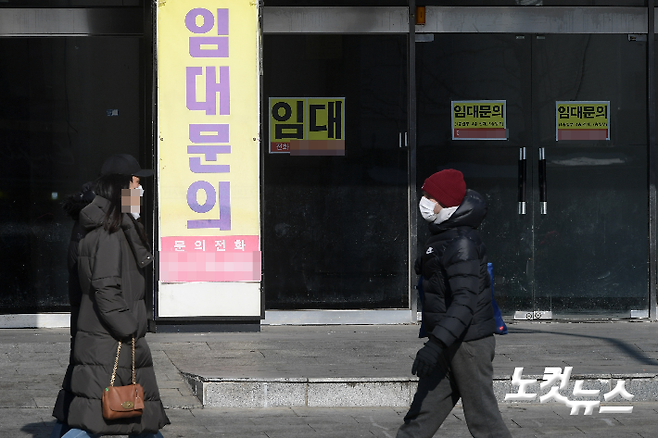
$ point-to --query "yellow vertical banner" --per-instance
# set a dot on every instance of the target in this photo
(208, 146)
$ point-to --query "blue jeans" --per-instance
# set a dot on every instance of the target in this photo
(59, 430)
(79, 433)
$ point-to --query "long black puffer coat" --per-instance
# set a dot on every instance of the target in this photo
(456, 286)
(112, 308)
(73, 205)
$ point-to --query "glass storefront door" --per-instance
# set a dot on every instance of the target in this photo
(68, 102)
(335, 226)
(581, 247)
(591, 247)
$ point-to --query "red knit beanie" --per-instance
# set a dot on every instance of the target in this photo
(447, 187)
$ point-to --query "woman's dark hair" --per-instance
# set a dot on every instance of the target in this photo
(109, 187)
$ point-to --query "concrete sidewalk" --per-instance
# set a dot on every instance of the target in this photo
(329, 367)
(528, 421)
(339, 366)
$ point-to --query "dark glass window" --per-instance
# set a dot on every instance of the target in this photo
(68, 3)
(588, 254)
(335, 227)
(520, 3)
(67, 104)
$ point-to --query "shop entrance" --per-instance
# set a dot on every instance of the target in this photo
(335, 222)
(580, 247)
(75, 89)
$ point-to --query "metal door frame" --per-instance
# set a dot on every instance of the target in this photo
(55, 22)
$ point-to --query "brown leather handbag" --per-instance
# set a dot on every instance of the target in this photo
(123, 401)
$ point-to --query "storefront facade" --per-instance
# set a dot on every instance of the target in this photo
(356, 108)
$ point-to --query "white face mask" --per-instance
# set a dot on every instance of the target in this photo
(427, 209)
(141, 193)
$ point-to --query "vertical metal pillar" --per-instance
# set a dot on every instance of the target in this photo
(150, 148)
(411, 129)
(651, 158)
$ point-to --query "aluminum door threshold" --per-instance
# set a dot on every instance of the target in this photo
(338, 317)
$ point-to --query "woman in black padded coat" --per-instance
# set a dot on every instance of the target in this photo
(111, 260)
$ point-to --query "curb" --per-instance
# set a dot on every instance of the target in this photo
(390, 392)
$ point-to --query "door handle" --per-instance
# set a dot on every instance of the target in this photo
(543, 201)
(402, 144)
(522, 180)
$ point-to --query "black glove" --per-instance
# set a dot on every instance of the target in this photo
(427, 358)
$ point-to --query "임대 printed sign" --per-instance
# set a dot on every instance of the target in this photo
(208, 146)
(582, 120)
(479, 120)
(307, 125)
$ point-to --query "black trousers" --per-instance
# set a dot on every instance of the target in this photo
(465, 371)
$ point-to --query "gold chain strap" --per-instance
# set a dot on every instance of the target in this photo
(134, 361)
(116, 364)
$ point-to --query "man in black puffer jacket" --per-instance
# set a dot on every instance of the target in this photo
(457, 315)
